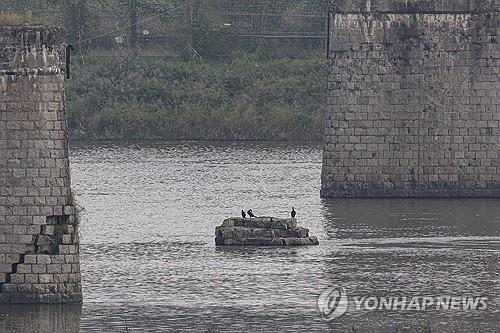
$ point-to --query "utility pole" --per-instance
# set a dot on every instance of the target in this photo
(193, 19)
(329, 13)
(133, 23)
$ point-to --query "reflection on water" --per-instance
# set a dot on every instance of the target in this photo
(388, 218)
(40, 318)
(149, 263)
(417, 248)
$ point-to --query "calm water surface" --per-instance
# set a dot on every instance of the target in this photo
(149, 262)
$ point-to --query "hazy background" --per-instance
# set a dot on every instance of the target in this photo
(202, 69)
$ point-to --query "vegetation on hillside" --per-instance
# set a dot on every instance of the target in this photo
(244, 99)
(180, 69)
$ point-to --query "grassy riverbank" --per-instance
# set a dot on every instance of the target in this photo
(245, 99)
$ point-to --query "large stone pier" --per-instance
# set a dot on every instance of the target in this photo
(414, 100)
(39, 245)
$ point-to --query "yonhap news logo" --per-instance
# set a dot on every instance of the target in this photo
(335, 302)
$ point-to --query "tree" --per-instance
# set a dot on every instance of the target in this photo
(76, 21)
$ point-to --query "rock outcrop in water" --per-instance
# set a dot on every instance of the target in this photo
(262, 231)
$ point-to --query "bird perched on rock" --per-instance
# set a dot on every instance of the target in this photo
(293, 213)
(250, 213)
(243, 214)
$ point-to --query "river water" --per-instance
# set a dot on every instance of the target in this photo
(149, 262)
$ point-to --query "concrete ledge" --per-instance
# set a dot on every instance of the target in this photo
(36, 46)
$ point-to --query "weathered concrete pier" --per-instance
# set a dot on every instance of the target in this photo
(39, 245)
(262, 231)
(414, 103)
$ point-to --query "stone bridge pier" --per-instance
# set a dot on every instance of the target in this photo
(39, 245)
(413, 99)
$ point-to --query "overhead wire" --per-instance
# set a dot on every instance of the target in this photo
(136, 23)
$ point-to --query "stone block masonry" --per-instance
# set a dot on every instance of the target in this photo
(262, 231)
(413, 105)
(450, 6)
(39, 245)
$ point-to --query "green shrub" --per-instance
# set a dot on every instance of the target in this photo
(245, 99)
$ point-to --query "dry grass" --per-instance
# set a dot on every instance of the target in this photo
(15, 19)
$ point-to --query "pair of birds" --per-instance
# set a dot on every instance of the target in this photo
(250, 213)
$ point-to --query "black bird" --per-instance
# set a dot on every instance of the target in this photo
(250, 213)
(293, 213)
(243, 214)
